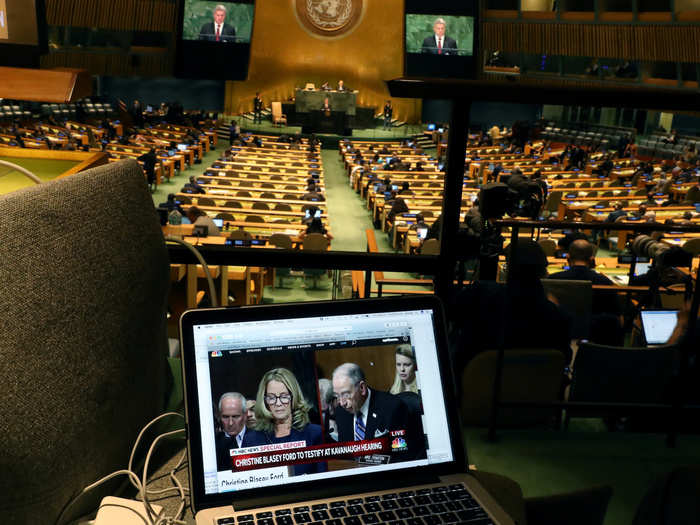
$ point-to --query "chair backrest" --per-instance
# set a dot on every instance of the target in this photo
(315, 241)
(692, 246)
(225, 216)
(281, 240)
(276, 108)
(76, 347)
(576, 298)
(240, 235)
(430, 247)
(548, 246)
(205, 201)
(622, 375)
(281, 206)
(254, 218)
(528, 375)
(553, 201)
(260, 206)
(233, 204)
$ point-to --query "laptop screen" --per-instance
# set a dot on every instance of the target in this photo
(329, 395)
(658, 325)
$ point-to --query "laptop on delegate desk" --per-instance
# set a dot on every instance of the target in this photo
(411, 461)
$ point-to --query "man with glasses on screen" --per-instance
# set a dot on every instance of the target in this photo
(439, 43)
(218, 30)
(364, 413)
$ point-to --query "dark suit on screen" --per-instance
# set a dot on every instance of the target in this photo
(208, 32)
(449, 45)
(386, 413)
(225, 443)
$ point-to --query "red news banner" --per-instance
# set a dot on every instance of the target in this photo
(298, 456)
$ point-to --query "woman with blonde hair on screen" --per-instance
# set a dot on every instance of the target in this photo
(282, 415)
(405, 379)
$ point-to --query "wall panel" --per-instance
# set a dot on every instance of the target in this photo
(665, 43)
(284, 55)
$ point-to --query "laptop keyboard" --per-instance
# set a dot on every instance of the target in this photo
(425, 506)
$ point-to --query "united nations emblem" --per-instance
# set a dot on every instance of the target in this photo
(329, 18)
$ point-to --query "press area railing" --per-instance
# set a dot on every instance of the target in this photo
(443, 266)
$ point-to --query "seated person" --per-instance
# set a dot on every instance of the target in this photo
(194, 186)
(398, 205)
(617, 212)
(325, 86)
(199, 217)
(384, 186)
(312, 194)
(171, 204)
(316, 226)
(518, 311)
(606, 325)
(405, 189)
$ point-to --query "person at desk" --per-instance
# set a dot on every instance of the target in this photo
(218, 30)
(325, 86)
(398, 206)
(405, 188)
(199, 217)
(617, 212)
(194, 186)
(606, 323)
(527, 319)
(316, 226)
(312, 194)
(341, 86)
(438, 43)
(257, 108)
(172, 205)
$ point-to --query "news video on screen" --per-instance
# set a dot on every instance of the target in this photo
(224, 22)
(440, 37)
(319, 401)
(214, 39)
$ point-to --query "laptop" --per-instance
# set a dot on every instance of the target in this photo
(658, 325)
(405, 458)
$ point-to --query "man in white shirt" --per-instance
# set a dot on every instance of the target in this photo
(218, 30)
(439, 43)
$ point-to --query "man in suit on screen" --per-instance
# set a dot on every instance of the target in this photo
(218, 30)
(365, 413)
(439, 43)
(234, 434)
